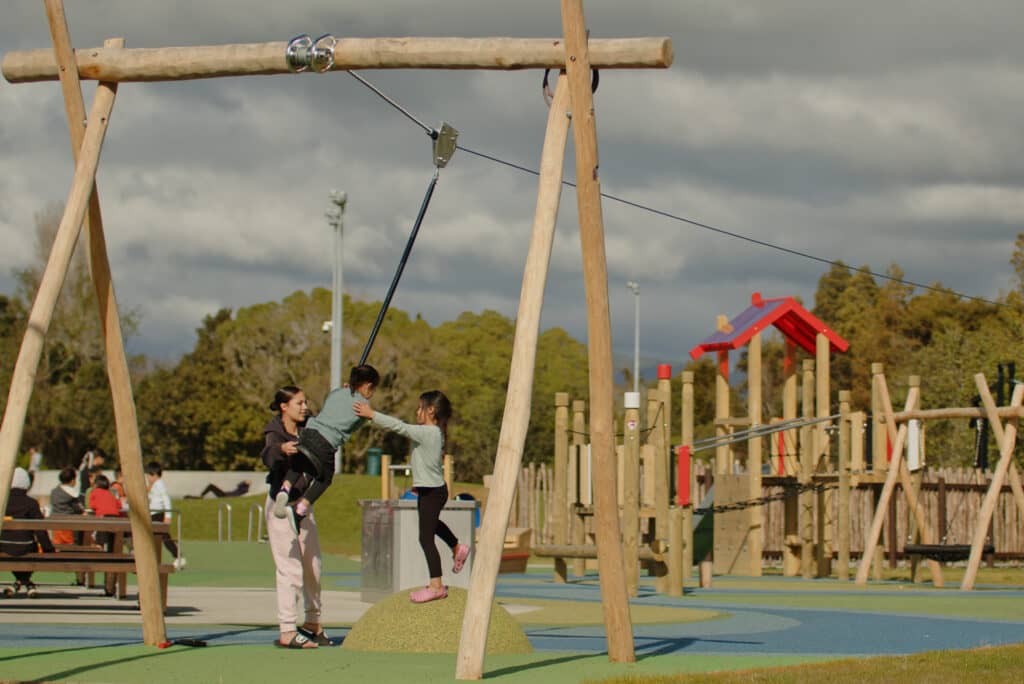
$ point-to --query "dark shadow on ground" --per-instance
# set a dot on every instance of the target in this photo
(541, 663)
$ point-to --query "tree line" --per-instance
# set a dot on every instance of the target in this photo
(207, 409)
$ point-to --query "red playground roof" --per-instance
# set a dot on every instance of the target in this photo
(796, 323)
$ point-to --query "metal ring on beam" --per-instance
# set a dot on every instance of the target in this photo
(297, 54)
(322, 53)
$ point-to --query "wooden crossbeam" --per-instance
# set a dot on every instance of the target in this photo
(252, 59)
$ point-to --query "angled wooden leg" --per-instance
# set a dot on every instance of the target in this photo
(476, 619)
(1007, 439)
(128, 443)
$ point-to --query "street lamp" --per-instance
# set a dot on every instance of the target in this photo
(635, 287)
(334, 217)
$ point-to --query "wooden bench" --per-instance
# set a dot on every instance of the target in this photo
(516, 551)
(116, 563)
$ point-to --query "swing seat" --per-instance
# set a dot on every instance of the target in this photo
(944, 553)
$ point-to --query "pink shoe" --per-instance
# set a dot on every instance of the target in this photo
(461, 554)
(427, 594)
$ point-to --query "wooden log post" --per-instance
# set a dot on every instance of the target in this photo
(826, 497)
(845, 429)
(1007, 439)
(791, 504)
(27, 363)
(386, 477)
(614, 601)
(882, 506)
(516, 418)
(580, 483)
(754, 455)
(631, 492)
(879, 455)
(807, 457)
(686, 409)
(663, 468)
(129, 446)
(256, 59)
(658, 480)
(675, 552)
(723, 462)
(449, 474)
(560, 500)
(472, 644)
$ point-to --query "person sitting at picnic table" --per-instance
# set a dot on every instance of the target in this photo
(66, 500)
(240, 489)
(20, 542)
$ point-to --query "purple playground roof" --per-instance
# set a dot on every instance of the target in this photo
(785, 313)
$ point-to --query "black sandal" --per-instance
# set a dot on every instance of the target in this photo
(299, 641)
(320, 638)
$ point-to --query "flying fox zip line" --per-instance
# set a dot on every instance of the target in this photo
(574, 54)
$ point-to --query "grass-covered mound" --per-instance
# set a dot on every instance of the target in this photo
(396, 624)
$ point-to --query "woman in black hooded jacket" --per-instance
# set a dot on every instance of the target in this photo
(20, 542)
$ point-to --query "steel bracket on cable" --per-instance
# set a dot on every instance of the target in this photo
(444, 144)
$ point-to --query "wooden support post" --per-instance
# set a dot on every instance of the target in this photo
(826, 498)
(845, 428)
(559, 504)
(675, 552)
(580, 481)
(807, 457)
(631, 492)
(129, 446)
(756, 513)
(897, 471)
(686, 406)
(446, 465)
(385, 477)
(24, 373)
(614, 602)
(516, 418)
(1007, 439)
(789, 386)
(879, 457)
(723, 462)
(659, 483)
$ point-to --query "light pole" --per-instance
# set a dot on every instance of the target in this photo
(334, 217)
(635, 287)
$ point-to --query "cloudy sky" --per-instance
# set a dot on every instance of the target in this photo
(872, 132)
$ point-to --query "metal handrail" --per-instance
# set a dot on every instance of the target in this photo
(259, 523)
(220, 519)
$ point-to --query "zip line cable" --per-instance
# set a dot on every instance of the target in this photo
(682, 219)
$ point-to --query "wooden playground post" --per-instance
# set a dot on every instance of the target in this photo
(754, 455)
(449, 475)
(843, 557)
(385, 477)
(658, 480)
(807, 458)
(723, 460)
(559, 505)
(614, 602)
(579, 480)
(631, 491)
(516, 418)
(675, 551)
(41, 314)
(686, 408)
(879, 454)
(825, 497)
(129, 445)
(791, 504)
(897, 470)
(1007, 439)
(662, 502)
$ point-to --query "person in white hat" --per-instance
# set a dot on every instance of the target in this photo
(20, 542)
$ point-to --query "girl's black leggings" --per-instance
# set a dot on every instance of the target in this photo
(430, 501)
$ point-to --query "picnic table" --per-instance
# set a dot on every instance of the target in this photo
(116, 562)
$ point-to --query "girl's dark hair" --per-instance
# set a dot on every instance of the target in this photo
(101, 481)
(283, 396)
(360, 375)
(436, 400)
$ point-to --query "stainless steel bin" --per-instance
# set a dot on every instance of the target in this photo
(391, 553)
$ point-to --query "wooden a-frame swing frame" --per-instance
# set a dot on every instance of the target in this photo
(575, 56)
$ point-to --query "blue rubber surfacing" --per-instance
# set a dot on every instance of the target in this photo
(743, 630)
